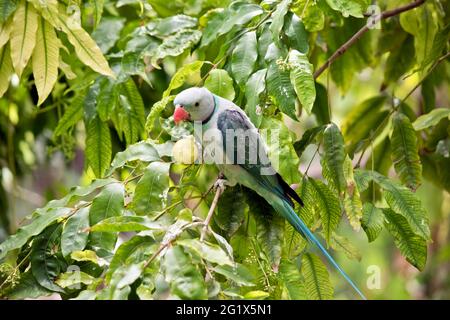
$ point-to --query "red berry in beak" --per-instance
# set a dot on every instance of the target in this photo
(180, 114)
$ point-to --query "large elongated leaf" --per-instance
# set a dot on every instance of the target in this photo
(244, 57)
(400, 199)
(328, 206)
(126, 224)
(180, 76)
(7, 7)
(292, 280)
(372, 221)
(256, 84)
(352, 198)
(321, 109)
(220, 83)
(74, 236)
(45, 59)
(46, 260)
(280, 88)
(296, 33)
(36, 227)
(151, 191)
(405, 152)
(108, 203)
(86, 48)
(280, 149)
(231, 210)
(185, 279)
(412, 246)
(73, 113)
(208, 251)
(302, 79)
(98, 146)
(431, 119)
(130, 115)
(142, 151)
(355, 8)
(6, 69)
(278, 19)
(5, 30)
(23, 35)
(334, 157)
(317, 281)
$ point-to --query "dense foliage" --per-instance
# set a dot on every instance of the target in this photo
(98, 77)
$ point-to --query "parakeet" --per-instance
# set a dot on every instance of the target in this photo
(233, 143)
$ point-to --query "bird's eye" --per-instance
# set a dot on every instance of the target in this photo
(196, 104)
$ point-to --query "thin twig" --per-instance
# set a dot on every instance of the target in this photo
(219, 191)
(343, 48)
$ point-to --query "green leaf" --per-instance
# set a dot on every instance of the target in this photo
(412, 246)
(107, 99)
(46, 260)
(281, 90)
(45, 59)
(85, 47)
(280, 149)
(129, 117)
(208, 251)
(321, 108)
(126, 224)
(398, 63)
(333, 157)
(352, 198)
(311, 15)
(143, 151)
(256, 295)
(237, 15)
(151, 191)
(132, 252)
(296, 33)
(170, 25)
(381, 157)
(28, 287)
(98, 146)
(372, 221)
(35, 227)
(107, 32)
(6, 69)
(355, 8)
(431, 119)
(185, 279)
(73, 113)
(220, 83)
(231, 210)
(74, 236)
(302, 79)
(239, 274)
(174, 45)
(7, 7)
(244, 57)
(308, 138)
(405, 152)
(256, 85)
(401, 200)
(269, 230)
(23, 35)
(342, 244)
(180, 76)
(108, 203)
(74, 279)
(361, 121)
(328, 206)
(155, 112)
(292, 280)
(87, 255)
(278, 20)
(317, 281)
(97, 8)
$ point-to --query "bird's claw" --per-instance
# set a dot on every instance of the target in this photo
(220, 184)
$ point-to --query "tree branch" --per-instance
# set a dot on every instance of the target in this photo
(219, 192)
(343, 48)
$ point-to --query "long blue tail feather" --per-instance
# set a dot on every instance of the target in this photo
(301, 227)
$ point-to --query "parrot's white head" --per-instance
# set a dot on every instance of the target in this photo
(193, 104)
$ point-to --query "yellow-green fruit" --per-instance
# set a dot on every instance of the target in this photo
(185, 150)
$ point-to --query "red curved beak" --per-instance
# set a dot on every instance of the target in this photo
(180, 114)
